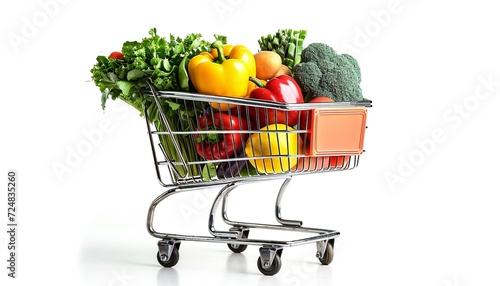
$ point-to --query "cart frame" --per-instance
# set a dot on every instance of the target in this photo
(237, 237)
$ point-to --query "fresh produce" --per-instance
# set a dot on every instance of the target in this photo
(158, 60)
(268, 64)
(236, 166)
(230, 169)
(116, 55)
(235, 51)
(183, 74)
(217, 75)
(284, 70)
(323, 72)
(216, 138)
(279, 89)
(306, 117)
(309, 163)
(288, 43)
(218, 145)
(281, 144)
(154, 58)
(253, 85)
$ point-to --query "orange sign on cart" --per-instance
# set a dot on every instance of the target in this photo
(338, 131)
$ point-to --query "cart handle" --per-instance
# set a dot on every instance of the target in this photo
(163, 119)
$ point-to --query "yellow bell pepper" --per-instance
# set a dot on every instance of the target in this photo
(213, 73)
(282, 146)
(237, 52)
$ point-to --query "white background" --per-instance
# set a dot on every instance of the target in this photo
(433, 130)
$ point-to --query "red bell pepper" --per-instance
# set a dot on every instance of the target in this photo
(220, 145)
(279, 89)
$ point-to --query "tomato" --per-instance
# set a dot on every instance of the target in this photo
(304, 118)
(116, 56)
(321, 99)
(321, 163)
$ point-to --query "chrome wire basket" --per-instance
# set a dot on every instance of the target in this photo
(234, 141)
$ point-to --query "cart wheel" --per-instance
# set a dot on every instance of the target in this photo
(174, 258)
(239, 248)
(273, 269)
(328, 256)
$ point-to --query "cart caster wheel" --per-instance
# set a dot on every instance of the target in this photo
(174, 258)
(271, 270)
(238, 248)
(328, 256)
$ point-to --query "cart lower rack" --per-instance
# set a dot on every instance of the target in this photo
(227, 142)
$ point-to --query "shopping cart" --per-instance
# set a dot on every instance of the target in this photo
(326, 137)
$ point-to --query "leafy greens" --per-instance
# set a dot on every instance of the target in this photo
(156, 59)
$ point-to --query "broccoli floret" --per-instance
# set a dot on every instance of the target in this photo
(323, 72)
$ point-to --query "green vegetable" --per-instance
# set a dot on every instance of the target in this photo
(209, 172)
(288, 43)
(183, 74)
(323, 72)
(162, 61)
